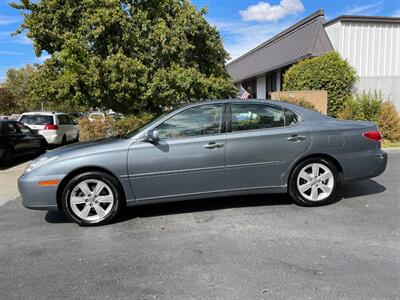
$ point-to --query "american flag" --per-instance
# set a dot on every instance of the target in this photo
(243, 93)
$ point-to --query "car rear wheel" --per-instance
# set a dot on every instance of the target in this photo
(314, 182)
(77, 137)
(8, 156)
(64, 140)
(92, 198)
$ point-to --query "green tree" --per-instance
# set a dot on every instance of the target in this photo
(7, 102)
(18, 83)
(328, 72)
(128, 55)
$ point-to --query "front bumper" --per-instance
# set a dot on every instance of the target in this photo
(38, 197)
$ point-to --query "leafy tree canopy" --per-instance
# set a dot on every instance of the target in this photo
(128, 55)
(328, 72)
(7, 102)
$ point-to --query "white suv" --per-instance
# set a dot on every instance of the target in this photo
(57, 128)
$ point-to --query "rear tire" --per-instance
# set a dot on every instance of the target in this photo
(92, 198)
(8, 157)
(64, 140)
(77, 138)
(314, 182)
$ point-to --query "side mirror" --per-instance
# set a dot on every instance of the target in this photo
(153, 136)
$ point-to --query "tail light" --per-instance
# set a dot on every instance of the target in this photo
(374, 135)
(50, 127)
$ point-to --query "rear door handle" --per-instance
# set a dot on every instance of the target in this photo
(295, 138)
(213, 145)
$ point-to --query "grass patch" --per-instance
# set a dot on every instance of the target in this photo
(390, 145)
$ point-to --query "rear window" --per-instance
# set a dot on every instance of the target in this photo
(97, 116)
(37, 119)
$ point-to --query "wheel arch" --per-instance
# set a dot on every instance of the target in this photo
(333, 160)
(85, 169)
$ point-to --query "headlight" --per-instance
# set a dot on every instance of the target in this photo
(40, 162)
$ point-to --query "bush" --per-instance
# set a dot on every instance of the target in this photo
(300, 102)
(389, 122)
(328, 72)
(364, 107)
(109, 127)
(373, 107)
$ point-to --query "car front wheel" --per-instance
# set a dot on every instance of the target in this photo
(92, 198)
(314, 182)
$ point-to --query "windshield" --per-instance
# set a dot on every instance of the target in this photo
(37, 119)
(144, 127)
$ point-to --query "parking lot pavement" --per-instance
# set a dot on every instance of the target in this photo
(253, 247)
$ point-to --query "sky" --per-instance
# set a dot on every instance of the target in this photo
(243, 24)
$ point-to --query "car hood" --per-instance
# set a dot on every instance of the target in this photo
(90, 147)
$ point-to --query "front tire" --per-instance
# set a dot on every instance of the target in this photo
(92, 198)
(314, 182)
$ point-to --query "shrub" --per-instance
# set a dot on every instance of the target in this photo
(328, 72)
(373, 107)
(389, 122)
(364, 107)
(300, 102)
(109, 127)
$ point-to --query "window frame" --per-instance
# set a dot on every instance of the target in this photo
(223, 122)
(229, 117)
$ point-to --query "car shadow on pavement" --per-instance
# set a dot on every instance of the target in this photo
(347, 191)
(190, 206)
(361, 188)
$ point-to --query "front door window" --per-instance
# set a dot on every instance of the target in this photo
(193, 122)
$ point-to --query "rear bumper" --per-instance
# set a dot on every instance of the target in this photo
(365, 165)
(51, 136)
(35, 196)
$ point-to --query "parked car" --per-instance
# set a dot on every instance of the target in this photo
(97, 116)
(16, 139)
(208, 149)
(56, 127)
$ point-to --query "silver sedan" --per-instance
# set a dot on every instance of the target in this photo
(208, 149)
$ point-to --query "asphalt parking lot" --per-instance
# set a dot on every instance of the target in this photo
(258, 247)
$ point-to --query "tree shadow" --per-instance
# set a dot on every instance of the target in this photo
(347, 191)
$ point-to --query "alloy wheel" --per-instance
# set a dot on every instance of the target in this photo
(91, 200)
(315, 182)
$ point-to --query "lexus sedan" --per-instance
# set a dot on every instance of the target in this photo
(208, 149)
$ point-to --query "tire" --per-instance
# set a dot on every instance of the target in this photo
(64, 140)
(43, 147)
(77, 138)
(306, 189)
(82, 204)
(8, 157)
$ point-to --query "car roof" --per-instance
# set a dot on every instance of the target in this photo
(43, 113)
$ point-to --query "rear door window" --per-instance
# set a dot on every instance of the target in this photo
(290, 118)
(256, 116)
(37, 119)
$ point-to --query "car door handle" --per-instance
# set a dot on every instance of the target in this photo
(295, 138)
(213, 145)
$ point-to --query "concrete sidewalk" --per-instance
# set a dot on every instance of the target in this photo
(8, 181)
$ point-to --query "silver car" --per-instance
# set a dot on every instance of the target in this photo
(208, 149)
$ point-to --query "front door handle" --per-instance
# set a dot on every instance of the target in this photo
(295, 138)
(213, 145)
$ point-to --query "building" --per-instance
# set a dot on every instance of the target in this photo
(370, 44)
